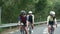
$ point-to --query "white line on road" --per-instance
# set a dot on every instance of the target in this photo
(11, 32)
(16, 30)
(45, 31)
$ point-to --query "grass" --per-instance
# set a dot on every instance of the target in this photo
(1, 29)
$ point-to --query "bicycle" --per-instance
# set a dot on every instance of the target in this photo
(22, 30)
(30, 28)
(52, 30)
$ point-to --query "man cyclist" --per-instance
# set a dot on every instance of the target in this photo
(30, 19)
(23, 21)
(51, 20)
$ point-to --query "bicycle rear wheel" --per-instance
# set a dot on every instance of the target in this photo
(52, 30)
(30, 29)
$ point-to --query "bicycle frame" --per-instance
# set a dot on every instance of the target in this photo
(52, 30)
(30, 28)
(22, 30)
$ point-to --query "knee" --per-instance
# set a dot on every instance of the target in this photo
(26, 28)
(54, 27)
(49, 27)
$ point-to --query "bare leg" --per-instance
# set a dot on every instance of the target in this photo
(26, 30)
(49, 29)
(32, 26)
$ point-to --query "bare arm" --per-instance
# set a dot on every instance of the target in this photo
(55, 22)
(19, 23)
(27, 23)
(33, 19)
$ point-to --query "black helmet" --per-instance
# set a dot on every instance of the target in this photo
(23, 12)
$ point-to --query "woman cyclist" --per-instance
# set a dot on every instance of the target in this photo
(51, 20)
(23, 21)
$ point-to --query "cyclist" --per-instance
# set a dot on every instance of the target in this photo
(23, 21)
(30, 19)
(51, 20)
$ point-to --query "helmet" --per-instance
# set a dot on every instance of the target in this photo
(23, 12)
(30, 11)
(52, 13)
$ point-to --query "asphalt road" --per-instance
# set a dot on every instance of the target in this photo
(41, 29)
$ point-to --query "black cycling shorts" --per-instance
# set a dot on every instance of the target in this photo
(31, 22)
(24, 23)
(51, 23)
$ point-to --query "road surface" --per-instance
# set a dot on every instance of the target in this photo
(41, 29)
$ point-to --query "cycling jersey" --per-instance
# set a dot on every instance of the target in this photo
(30, 18)
(22, 20)
(51, 20)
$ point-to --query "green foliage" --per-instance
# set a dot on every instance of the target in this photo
(40, 5)
(57, 9)
(1, 29)
(11, 9)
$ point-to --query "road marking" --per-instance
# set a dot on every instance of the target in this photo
(16, 30)
(45, 31)
(11, 32)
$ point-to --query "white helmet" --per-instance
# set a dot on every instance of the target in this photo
(30, 11)
(52, 13)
